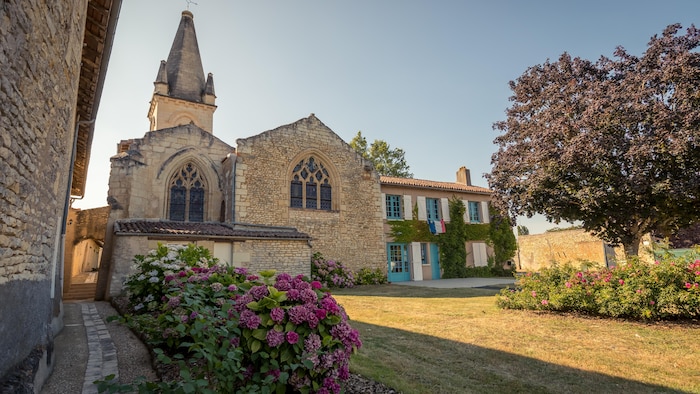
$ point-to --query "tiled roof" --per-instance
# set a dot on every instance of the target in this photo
(205, 230)
(425, 184)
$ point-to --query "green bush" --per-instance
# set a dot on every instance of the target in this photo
(479, 272)
(367, 276)
(666, 289)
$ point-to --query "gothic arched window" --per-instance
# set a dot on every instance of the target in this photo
(187, 188)
(310, 186)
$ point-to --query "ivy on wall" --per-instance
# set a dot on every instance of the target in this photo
(414, 230)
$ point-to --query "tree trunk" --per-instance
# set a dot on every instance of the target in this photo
(632, 246)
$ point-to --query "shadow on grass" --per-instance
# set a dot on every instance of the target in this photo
(418, 363)
(392, 290)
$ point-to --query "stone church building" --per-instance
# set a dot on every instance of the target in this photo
(271, 201)
(268, 203)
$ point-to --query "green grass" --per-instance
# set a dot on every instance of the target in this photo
(425, 340)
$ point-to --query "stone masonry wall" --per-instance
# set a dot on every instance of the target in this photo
(139, 178)
(40, 51)
(82, 225)
(352, 232)
(288, 256)
(567, 246)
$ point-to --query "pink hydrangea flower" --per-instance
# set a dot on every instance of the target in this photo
(292, 337)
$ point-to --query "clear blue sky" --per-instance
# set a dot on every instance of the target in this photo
(430, 77)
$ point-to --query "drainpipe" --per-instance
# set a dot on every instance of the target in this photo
(233, 188)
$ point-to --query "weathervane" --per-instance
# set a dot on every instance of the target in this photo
(190, 2)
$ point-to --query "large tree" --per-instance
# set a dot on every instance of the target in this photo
(612, 143)
(386, 161)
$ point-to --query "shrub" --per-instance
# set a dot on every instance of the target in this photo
(479, 272)
(367, 276)
(330, 273)
(666, 289)
(227, 331)
(146, 286)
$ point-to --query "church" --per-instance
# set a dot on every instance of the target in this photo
(269, 202)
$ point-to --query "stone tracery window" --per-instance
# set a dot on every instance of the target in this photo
(311, 186)
(187, 187)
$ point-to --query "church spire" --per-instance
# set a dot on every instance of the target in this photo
(181, 79)
(184, 65)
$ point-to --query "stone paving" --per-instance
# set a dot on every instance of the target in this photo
(102, 355)
(88, 349)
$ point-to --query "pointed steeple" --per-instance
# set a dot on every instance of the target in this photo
(180, 83)
(184, 65)
(161, 82)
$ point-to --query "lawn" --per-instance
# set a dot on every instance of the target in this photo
(425, 340)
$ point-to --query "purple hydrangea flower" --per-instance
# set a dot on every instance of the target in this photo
(308, 296)
(275, 338)
(292, 337)
(249, 319)
(283, 285)
(312, 343)
(284, 276)
(259, 292)
(298, 314)
(293, 295)
(329, 304)
(277, 314)
(173, 302)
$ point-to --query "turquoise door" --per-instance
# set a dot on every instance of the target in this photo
(434, 261)
(398, 270)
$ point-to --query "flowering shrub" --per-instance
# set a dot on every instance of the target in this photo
(228, 331)
(330, 273)
(147, 286)
(666, 289)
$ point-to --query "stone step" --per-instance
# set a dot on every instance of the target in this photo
(81, 291)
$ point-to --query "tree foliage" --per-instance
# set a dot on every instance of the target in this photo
(501, 238)
(453, 252)
(523, 230)
(386, 161)
(611, 143)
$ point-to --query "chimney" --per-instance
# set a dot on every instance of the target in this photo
(463, 176)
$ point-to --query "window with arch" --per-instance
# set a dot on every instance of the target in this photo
(311, 186)
(187, 187)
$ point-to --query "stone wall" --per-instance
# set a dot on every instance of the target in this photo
(138, 183)
(567, 246)
(124, 248)
(88, 224)
(352, 231)
(40, 57)
(292, 257)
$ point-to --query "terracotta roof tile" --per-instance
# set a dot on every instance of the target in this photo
(426, 184)
(205, 229)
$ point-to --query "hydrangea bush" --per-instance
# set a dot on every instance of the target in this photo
(666, 289)
(229, 331)
(330, 273)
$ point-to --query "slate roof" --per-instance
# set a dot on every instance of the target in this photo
(237, 231)
(437, 185)
(185, 74)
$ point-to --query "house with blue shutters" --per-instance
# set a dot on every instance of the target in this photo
(427, 201)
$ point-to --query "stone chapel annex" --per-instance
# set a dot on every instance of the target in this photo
(271, 201)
